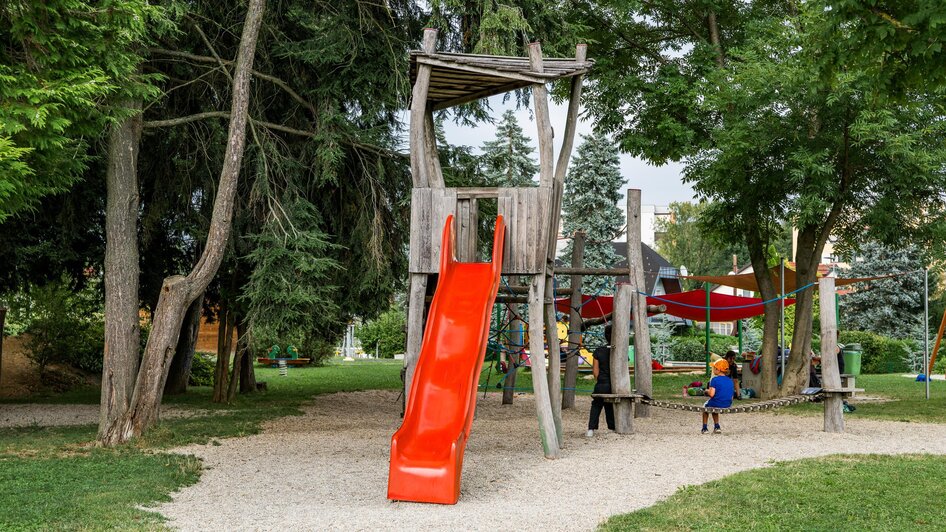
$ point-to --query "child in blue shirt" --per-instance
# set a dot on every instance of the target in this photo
(720, 391)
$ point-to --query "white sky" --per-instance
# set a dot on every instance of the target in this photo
(659, 185)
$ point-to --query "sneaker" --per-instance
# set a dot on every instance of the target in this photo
(590, 434)
(717, 430)
(704, 431)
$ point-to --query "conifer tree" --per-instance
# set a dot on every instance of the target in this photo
(508, 160)
(592, 191)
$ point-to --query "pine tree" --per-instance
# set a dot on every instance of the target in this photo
(508, 161)
(592, 191)
(885, 306)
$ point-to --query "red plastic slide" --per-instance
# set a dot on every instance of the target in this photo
(427, 451)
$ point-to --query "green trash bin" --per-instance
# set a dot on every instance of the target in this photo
(852, 359)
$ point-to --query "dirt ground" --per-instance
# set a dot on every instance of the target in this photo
(18, 375)
(327, 469)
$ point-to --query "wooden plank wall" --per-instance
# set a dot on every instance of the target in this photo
(523, 209)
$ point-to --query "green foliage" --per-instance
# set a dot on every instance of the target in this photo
(388, 332)
(889, 307)
(683, 242)
(61, 64)
(508, 160)
(288, 300)
(880, 353)
(592, 190)
(65, 326)
(202, 369)
(688, 348)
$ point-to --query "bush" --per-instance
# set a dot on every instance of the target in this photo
(879, 353)
(202, 369)
(687, 348)
(66, 326)
(388, 332)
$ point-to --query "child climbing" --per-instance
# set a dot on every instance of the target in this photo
(601, 368)
(720, 391)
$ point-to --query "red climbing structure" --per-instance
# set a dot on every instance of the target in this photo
(427, 451)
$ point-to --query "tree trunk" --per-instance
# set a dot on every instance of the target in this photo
(757, 255)
(807, 258)
(237, 360)
(247, 371)
(224, 348)
(180, 372)
(3, 318)
(122, 327)
(177, 292)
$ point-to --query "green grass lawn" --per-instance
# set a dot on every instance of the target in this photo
(869, 492)
(53, 478)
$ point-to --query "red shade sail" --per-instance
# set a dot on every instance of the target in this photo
(688, 305)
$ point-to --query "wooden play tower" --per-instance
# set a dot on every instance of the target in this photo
(531, 214)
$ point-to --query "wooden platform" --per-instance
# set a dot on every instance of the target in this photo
(288, 361)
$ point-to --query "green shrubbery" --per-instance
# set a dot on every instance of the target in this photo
(879, 353)
(690, 347)
(388, 332)
(202, 369)
(65, 326)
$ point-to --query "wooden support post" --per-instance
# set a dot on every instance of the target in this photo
(540, 102)
(434, 172)
(574, 323)
(543, 402)
(571, 120)
(418, 142)
(555, 363)
(415, 327)
(467, 225)
(831, 375)
(643, 378)
(620, 373)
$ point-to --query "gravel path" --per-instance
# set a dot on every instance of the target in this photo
(327, 469)
(25, 415)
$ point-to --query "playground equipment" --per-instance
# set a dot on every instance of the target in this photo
(427, 451)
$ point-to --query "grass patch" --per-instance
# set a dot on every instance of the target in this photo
(54, 478)
(97, 491)
(871, 492)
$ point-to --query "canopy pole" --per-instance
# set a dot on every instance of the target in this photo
(781, 347)
(706, 287)
(926, 329)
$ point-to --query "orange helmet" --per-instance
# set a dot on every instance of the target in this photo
(721, 365)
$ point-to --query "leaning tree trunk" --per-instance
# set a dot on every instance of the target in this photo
(247, 371)
(234, 384)
(757, 255)
(180, 371)
(178, 292)
(122, 326)
(806, 264)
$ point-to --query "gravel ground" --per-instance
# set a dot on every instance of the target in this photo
(25, 415)
(327, 469)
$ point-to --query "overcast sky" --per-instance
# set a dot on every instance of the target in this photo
(659, 185)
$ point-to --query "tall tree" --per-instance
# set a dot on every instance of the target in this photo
(885, 306)
(592, 190)
(61, 62)
(508, 160)
(179, 292)
(684, 242)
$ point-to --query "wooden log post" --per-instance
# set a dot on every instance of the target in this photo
(420, 156)
(415, 327)
(620, 373)
(574, 323)
(833, 402)
(543, 404)
(643, 378)
(546, 179)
